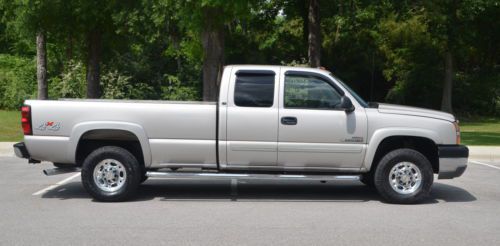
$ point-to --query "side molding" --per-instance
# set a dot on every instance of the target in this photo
(81, 128)
(381, 134)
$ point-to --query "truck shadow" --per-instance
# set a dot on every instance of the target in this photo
(257, 191)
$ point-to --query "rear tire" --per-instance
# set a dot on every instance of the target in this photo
(111, 174)
(404, 176)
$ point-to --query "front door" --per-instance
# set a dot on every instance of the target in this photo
(314, 133)
(252, 119)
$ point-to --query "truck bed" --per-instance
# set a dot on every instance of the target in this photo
(184, 131)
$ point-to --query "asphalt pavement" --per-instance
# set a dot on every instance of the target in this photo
(56, 210)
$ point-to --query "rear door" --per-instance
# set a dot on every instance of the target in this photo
(314, 133)
(252, 119)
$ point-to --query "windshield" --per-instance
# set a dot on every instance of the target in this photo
(351, 91)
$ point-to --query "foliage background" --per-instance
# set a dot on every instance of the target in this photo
(388, 51)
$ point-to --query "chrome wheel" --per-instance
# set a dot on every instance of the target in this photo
(405, 178)
(110, 175)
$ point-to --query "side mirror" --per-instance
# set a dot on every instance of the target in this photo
(346, 104)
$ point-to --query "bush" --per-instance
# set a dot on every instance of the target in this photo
(17, 81)
(174, 90)
(119, 86)
(70, 84)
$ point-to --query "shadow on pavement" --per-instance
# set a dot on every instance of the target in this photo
(450, 193)
(255, 191)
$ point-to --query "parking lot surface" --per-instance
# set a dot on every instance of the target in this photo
(56, 210)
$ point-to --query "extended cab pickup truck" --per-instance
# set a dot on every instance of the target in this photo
(269, 122)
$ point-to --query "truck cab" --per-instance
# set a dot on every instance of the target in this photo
(289, 119)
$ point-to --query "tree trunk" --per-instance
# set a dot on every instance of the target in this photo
(213, 46)
(303, 5)
(41, 66)
(446, 104)
(69, 48)
(94, 59)
(314, 52)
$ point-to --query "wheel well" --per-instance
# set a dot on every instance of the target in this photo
(95, 139)
(425, 146)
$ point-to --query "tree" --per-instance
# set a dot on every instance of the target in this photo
(212, 38)
(94, 19)
(41, 65)
(32, 20)
(209, 19)
(175, 50)
(93, 63)
(314, 38)
(446, 104)
(445, 25)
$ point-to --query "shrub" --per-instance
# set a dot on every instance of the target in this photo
(119, 86)
(17, 81)
(70, 84)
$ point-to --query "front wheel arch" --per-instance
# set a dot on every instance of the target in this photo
(423, 145)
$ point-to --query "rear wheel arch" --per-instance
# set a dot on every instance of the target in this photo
(97, 134)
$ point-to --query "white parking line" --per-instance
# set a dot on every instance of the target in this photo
(64, 181)
(485, 164)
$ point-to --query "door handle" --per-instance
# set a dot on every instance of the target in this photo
(287, 120)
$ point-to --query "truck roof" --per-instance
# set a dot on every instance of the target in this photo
(295, 68)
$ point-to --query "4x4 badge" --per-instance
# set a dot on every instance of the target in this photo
(50, 126)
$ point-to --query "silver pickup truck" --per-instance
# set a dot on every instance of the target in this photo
(269, 122)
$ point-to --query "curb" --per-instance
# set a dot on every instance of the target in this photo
(6, 149)
(491, 153)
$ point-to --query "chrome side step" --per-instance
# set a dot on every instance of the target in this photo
(202, 175)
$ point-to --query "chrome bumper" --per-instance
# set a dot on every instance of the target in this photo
(452, 161)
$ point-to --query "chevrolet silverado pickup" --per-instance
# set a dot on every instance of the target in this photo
(269, 122)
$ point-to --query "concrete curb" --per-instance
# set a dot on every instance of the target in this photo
(491, 153)
(6, 149)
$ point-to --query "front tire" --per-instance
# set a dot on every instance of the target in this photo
(111, 174)
(404, 176)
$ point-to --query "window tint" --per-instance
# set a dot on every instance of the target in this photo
(254, 90)
(310, 92)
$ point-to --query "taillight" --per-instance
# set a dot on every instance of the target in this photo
(26, 120)
(457, 131)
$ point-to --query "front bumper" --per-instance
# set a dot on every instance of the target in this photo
(452, 160)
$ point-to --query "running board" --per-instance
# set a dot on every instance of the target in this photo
(193, 175)
(60, 170)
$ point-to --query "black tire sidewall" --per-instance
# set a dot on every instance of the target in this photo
(133, 172)
(381, 178)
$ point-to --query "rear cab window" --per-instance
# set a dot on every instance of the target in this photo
(254, 88)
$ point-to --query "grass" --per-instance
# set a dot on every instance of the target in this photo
(10, 126)
(484, 131)
(481, 131)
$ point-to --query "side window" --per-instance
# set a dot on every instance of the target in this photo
(254, 89)
(310, 92)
